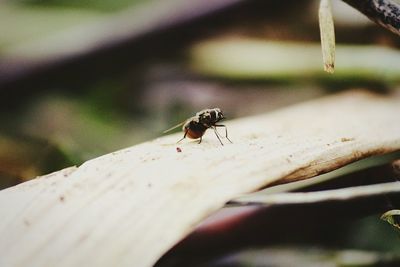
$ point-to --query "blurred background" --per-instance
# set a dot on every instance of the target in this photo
(79, 79)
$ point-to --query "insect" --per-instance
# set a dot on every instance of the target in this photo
(196, 126)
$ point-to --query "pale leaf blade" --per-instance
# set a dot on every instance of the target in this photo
(327, 32)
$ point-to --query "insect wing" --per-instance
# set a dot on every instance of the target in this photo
(174, 127)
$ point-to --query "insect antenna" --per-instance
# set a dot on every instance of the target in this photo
(174, 127)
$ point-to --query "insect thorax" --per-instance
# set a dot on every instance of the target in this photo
(209, 117)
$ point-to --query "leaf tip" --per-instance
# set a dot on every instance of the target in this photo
(329, 68)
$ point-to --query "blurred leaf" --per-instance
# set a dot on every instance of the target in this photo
(20, 24)
(327, 31)
(80, 37)
(101, 5)
(256, 59)
(288, 256)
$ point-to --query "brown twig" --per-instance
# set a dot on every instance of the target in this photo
(384, 12)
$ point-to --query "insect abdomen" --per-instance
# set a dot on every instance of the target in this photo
(194, 134)
(194, 130)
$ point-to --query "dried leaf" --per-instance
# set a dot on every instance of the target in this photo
(346, 170)
(320, 196)
(131, 206)
(327, 32)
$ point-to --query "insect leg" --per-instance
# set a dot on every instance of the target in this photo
(184, 136)
(226, 131)
(201, 138)
(216, 133)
